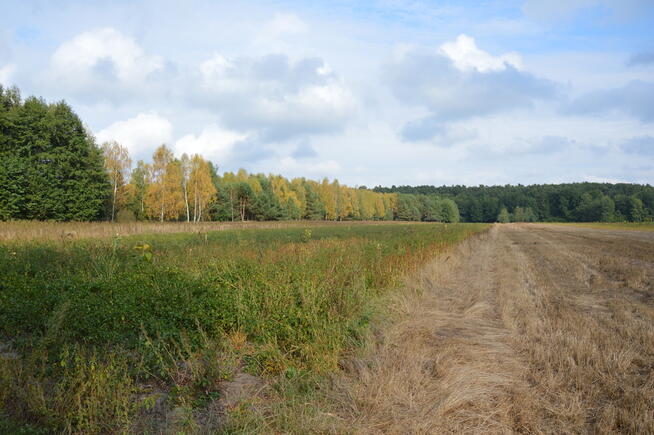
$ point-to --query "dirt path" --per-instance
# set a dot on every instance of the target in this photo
(527, 328)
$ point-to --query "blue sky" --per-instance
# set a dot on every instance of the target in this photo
(368, 92)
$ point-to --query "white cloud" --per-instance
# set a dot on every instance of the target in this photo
(279, 33)
(466, 56)
(214, 143)
(463, 84)
(5, 74)
(284, 24)
(633, 99)
(141, 134)
(278, 97)
(102, 60)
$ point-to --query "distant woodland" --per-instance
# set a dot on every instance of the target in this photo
(51, 168)
(572, 202)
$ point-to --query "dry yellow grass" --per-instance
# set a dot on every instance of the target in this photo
(31, 230)
(526, 329)
(634, 226)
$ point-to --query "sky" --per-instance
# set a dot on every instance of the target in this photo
(372, 92)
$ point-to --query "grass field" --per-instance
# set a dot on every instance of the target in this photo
(68, 231)
(634, 226)
(158, 332)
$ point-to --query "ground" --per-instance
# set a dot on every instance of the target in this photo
(526, 328)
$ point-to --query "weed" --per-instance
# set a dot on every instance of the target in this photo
(95, 320)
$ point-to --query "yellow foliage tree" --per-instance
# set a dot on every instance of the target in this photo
(117, 164)
(328, 198)
(164, 197)
(201, 188)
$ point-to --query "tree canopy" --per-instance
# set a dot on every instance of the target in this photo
(50, 165)
(52, 169)
(580, 202)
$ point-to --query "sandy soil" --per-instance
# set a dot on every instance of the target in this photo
(527, 328)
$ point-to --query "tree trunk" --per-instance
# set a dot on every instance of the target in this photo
(188, 215)
(113, 202)
(231, 201)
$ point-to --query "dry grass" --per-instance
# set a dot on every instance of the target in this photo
(524, 329)
(31, 230)
(631, 226)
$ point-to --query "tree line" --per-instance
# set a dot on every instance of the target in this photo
(51, 168)
(570, 202)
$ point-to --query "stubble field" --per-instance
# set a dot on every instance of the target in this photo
(529, 329)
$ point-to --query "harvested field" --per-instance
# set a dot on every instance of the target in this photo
(528, 328)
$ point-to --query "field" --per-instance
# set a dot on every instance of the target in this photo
(173, 332)
(68, 231)
(398, 328)
(529, 328)
(635, 226)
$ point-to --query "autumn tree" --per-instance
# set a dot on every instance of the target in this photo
(328, 199)
(135, 190)
(164, 198)
(200, 186)
(117, 164)
(185, 164)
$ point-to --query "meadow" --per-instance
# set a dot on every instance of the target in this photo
(67, 231)
(144, 333)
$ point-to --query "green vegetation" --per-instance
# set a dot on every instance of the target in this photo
(92, 332)
(50, 167)
(575, 202)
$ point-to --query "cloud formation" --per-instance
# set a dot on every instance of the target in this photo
(304, 150)
(140, 134)
(466, 56)
(275, 96)
(6, 73)
(633, 99)
(319, 84)
(460, 82)
(103, 62)
(214, 143)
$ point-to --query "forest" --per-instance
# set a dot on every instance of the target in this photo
(571, 202)
(51, 168)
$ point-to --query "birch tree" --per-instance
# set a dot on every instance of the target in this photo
(117, 164)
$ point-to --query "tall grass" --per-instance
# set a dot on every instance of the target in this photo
(67, 231)
(95, 330)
